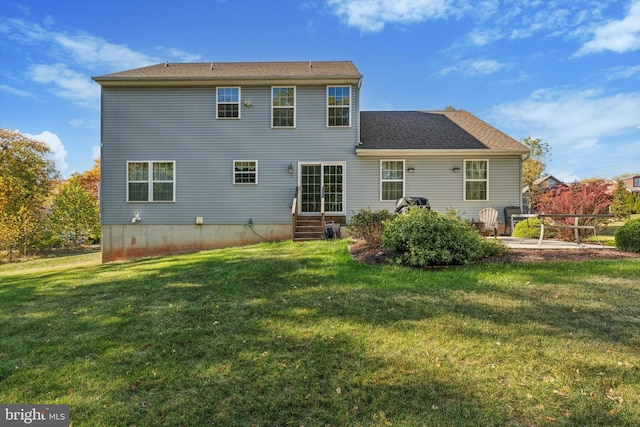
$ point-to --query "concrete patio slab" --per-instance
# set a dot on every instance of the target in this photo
(519, 243)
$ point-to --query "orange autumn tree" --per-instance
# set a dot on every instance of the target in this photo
(90, 180)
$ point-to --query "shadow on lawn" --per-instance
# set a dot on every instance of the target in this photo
(257, 336)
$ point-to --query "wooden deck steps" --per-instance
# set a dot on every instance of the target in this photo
(308, 228)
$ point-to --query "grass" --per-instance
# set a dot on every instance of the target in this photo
(300, 334)
(607, 234)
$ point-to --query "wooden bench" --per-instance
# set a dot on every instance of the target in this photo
(575, 226)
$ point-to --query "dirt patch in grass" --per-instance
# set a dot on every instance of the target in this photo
(362, 252)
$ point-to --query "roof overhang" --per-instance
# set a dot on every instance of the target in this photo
(363, 152)
(226, 81)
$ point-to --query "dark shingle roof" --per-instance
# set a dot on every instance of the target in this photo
(431, 130)
(237, 70)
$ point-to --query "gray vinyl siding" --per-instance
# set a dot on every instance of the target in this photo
(434, 179)
(179, 124)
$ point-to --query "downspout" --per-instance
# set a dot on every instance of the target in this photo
(358, 142)
(523, 158)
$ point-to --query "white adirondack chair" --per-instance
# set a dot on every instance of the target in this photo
(489, 217)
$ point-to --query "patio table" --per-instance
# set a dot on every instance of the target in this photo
(575, 226)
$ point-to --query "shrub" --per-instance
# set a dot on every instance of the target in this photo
(532, 230)
(368, 225)
(425, 238)
(627, 237)
(620, 206)
(576, 198)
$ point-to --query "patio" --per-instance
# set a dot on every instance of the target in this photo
(519, 243)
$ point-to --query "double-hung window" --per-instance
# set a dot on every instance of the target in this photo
(391, 179)
(476, 180)
(245, 171)
(338, 106)
(283, 107)
(228, 102)
(151, 181)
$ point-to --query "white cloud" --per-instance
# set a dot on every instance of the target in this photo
(371, 16)
(58, 151)
(92, 52)
(474, 67)
(68, 59)
(622, 73)
(570, 117)
(179, 54)
(587, 130)
(67, 83)
(483, 36)
(617, 36)
(14, 91)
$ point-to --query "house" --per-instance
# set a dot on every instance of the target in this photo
(541, 184)
(207, 155)
(633, 184)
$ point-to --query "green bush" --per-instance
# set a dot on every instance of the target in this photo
(368, 225)
(532, 230)
(627, 237)
(425, 238)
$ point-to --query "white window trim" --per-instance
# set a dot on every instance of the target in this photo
(233, 176)
(322, 165)
(393, 180)
(238, 103)
(335, 106)
(150, 181)
(295, 106)
(344, 185)
(464, 179)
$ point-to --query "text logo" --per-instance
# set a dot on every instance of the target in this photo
(34, 415)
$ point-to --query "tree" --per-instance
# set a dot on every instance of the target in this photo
(90, 179)
(26, 176)
(75, 215)
(621, 207)
(575, 198)
(534, 166)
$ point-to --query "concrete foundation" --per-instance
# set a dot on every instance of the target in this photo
(129, 241)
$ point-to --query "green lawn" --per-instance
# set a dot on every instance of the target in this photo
(300, 334)
(607, 234)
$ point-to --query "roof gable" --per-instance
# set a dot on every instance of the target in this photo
(431, 130)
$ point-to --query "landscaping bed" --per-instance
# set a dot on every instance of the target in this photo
(364, 253)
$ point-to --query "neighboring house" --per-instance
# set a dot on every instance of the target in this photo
(633, 184)
(544, 183)
(207, 155)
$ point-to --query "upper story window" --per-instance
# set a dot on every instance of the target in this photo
(151, 181)
(283, 103)
(636, 181)
(245, 172)
(391, 179)
(338, 106)
(476, 180)
(228, 102)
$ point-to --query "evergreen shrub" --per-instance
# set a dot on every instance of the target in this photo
(532, 230)
(426, 238)
(627, 237)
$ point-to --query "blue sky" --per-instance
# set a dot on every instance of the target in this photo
(564, 71)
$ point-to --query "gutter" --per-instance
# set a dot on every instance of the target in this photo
(363, 152)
